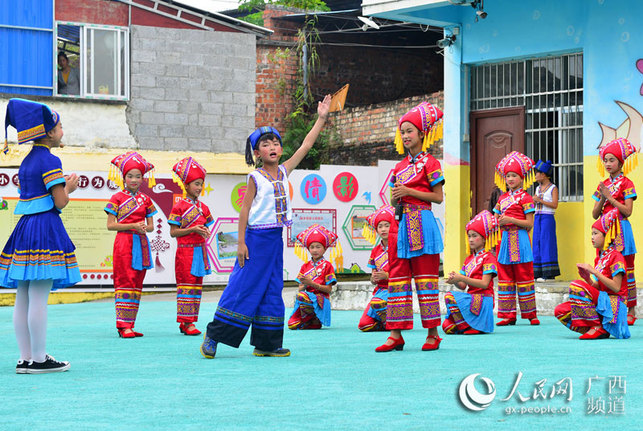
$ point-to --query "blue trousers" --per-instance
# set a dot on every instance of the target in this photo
(253, 295)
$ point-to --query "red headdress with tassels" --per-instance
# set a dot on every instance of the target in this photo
(623, 150)
(186, 171)
(327, 238)
(610, 225)
(487, 226)
(124, 163)
(518, 163)
(383, 213)
(428, 119)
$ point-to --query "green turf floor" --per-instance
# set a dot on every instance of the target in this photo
(333, 381)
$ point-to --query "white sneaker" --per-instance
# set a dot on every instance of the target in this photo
(540, 280)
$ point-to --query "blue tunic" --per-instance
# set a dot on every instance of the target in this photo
(39, 247)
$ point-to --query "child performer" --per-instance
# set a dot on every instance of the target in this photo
(515, 212)
(597, 304)
(189, 222)
(129, 213)
(415, 242)
(471, 312)
(254, 292)
(618, 158)
(38, 256)
(316, 278)
(544, 235)
(378, 223)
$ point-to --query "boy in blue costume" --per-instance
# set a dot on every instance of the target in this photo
(253, 295)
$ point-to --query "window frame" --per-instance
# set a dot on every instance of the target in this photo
(123, 78)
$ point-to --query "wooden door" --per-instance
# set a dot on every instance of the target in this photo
(494, 134)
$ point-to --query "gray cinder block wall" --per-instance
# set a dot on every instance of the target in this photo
(191, 89)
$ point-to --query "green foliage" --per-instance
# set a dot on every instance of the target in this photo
(253, 18)
(279, 55)
(260, 5)
(301, 120)
(296, 130)
(307, 37)
(312, 5)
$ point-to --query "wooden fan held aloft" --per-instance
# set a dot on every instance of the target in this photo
(338, 100)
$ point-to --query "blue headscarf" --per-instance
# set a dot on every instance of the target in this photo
(32, 120)
(544, 167)
(253, 140)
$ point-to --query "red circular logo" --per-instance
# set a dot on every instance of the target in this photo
(345, 187)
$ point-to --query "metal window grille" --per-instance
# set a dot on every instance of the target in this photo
(551, 90)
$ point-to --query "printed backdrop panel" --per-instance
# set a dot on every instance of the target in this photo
(86, 221)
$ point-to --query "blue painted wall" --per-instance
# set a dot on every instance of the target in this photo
(607, 32)
(26, 56)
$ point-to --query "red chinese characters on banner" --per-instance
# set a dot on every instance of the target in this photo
(345, 187)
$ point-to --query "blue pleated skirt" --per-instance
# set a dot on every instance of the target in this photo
(39, 249)
(628, 236)
(322, 313)
(430, 231)
(524, 245)
(618, 328)
(482, 322)
(381, 294)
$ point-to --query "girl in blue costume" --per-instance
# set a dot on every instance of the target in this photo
(545, 245)
(39, 256)
(316, 278)
(471, 312)
(253, 295)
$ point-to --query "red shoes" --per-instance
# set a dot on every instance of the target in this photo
(435, 345)
(631, 319)
(126, 333)
(510, 321)
(188, 329)
(472, 332)
(595, 333)
(432, 343)
(398, 344)
(507, 322)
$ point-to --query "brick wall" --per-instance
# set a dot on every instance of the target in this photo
(92, 12)
(277, 65)
(365, 134)
(191, 89)
(394, 73)
(370, 74)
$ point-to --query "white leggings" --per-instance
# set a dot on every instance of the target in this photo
(30, 319)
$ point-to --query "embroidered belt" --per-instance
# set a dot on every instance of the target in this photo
(131, 232)
(200, 244)
(511, 228)
(414, 231)
(412, 207)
